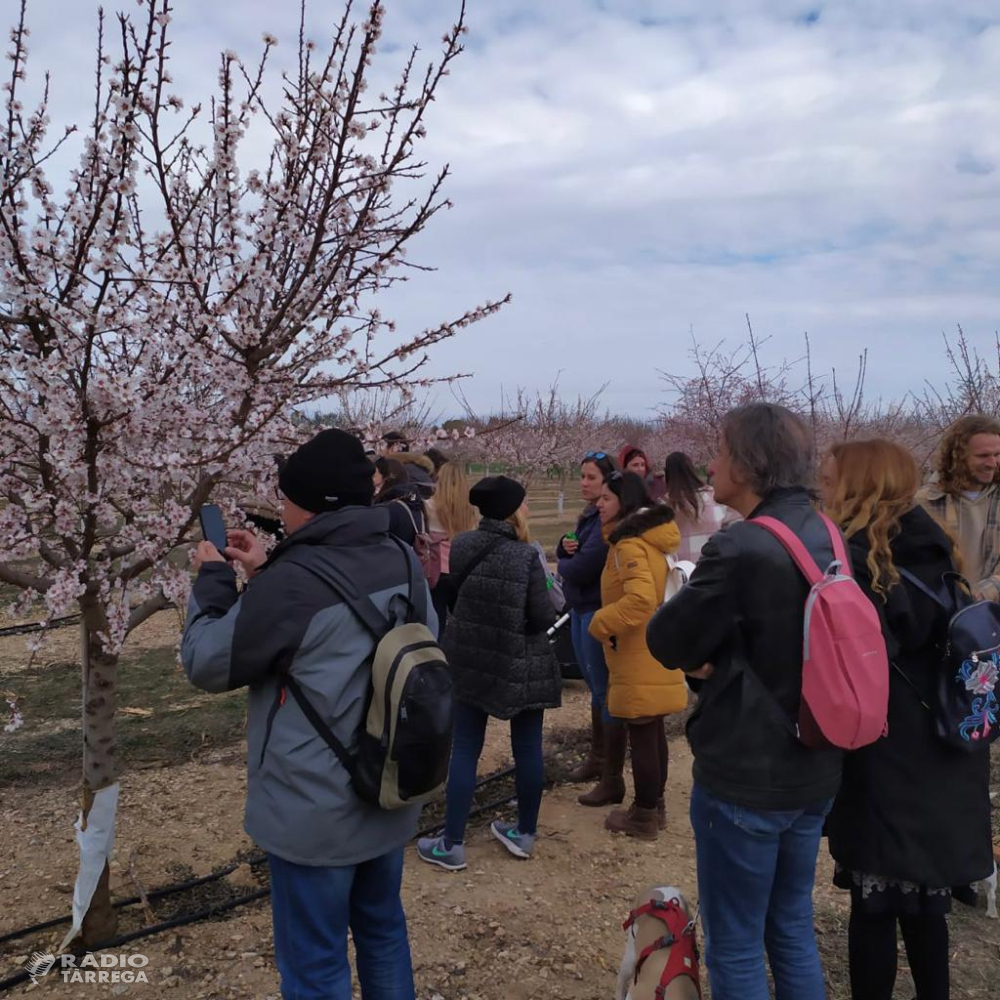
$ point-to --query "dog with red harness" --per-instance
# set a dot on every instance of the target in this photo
(661, 951)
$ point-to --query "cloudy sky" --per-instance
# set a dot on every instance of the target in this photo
(635, 171)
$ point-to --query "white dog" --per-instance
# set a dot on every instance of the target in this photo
(660, 949)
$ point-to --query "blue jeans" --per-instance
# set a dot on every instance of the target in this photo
(312, 910)
(590, 657)
(756, 872)
(468, 733)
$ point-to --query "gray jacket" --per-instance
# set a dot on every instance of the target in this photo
(300, 805)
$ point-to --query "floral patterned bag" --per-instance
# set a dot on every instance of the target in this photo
(966, 709)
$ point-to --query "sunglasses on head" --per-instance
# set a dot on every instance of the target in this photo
(595, 454)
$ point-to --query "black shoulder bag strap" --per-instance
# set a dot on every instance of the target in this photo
(941, 603)
(924, 589)
(467, 572)
(457, 581)
(373, 619)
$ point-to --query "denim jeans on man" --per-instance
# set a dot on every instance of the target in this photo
(313, 909)
(590, 658)
(756, 872)
(468, 734)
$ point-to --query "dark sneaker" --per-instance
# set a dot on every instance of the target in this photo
(519, 844)
(433, 851)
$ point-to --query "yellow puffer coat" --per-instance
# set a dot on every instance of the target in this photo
(632, 586)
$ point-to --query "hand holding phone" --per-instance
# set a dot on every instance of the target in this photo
(213, 528)
(206, 552)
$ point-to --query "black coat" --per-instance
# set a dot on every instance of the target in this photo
(406, 511)
(745, 604)
(911, 807)
(496, 644)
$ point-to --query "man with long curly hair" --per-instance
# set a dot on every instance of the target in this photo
(966, 497)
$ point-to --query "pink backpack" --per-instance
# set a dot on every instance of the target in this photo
(845, 668)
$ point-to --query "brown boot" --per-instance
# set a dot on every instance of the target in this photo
(593, 766)
(634, 822)
(661, 813)
(610, 790)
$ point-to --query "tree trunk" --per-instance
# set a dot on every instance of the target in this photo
(101, 922)
(100, 765)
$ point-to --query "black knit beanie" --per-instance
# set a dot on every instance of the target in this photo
(328, 472)
(497, 497)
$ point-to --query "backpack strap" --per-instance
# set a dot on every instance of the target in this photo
(417, 530)
(309, 711)
(370, 616)
(414, 595)
(794, 546)
(770, 698)
(373, 620)
(925, 590)
(361, 604)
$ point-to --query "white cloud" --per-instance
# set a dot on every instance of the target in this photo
(628, 175)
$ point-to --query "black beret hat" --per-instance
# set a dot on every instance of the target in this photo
(497, 497)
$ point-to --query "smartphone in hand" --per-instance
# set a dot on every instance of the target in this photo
(213, 528)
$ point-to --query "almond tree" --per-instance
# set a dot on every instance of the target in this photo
(161, 317)
(723, 378)
(534, 433)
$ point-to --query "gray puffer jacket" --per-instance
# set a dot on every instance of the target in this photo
(495, 641)
(300, 804)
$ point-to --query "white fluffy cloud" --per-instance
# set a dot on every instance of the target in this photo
(630, 175)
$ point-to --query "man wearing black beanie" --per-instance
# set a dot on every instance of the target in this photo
(328, 472)
(336, 862)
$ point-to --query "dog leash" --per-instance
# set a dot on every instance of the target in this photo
(693, 922)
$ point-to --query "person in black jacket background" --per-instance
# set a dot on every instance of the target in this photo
(760, 797)
(912, 818)
(502, 666)
(582, 556)
(400, 496)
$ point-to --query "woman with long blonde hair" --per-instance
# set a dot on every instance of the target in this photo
(449, 513)
(449, 510)
(912, 818)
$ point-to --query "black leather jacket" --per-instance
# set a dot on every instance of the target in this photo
(744, 604)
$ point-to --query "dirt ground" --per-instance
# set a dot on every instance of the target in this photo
(548, 927)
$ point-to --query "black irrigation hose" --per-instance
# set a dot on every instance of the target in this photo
(220, 873)
(478, 811)
(189, 918)
(132, 900)
(232, 904)
(25, 627)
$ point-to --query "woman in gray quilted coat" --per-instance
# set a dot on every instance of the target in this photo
(502, 665)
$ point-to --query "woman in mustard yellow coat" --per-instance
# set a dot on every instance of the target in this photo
(640, 691)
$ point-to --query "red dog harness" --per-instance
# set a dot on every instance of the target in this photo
(683, 958)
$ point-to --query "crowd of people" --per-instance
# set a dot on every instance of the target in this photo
(907, 817)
